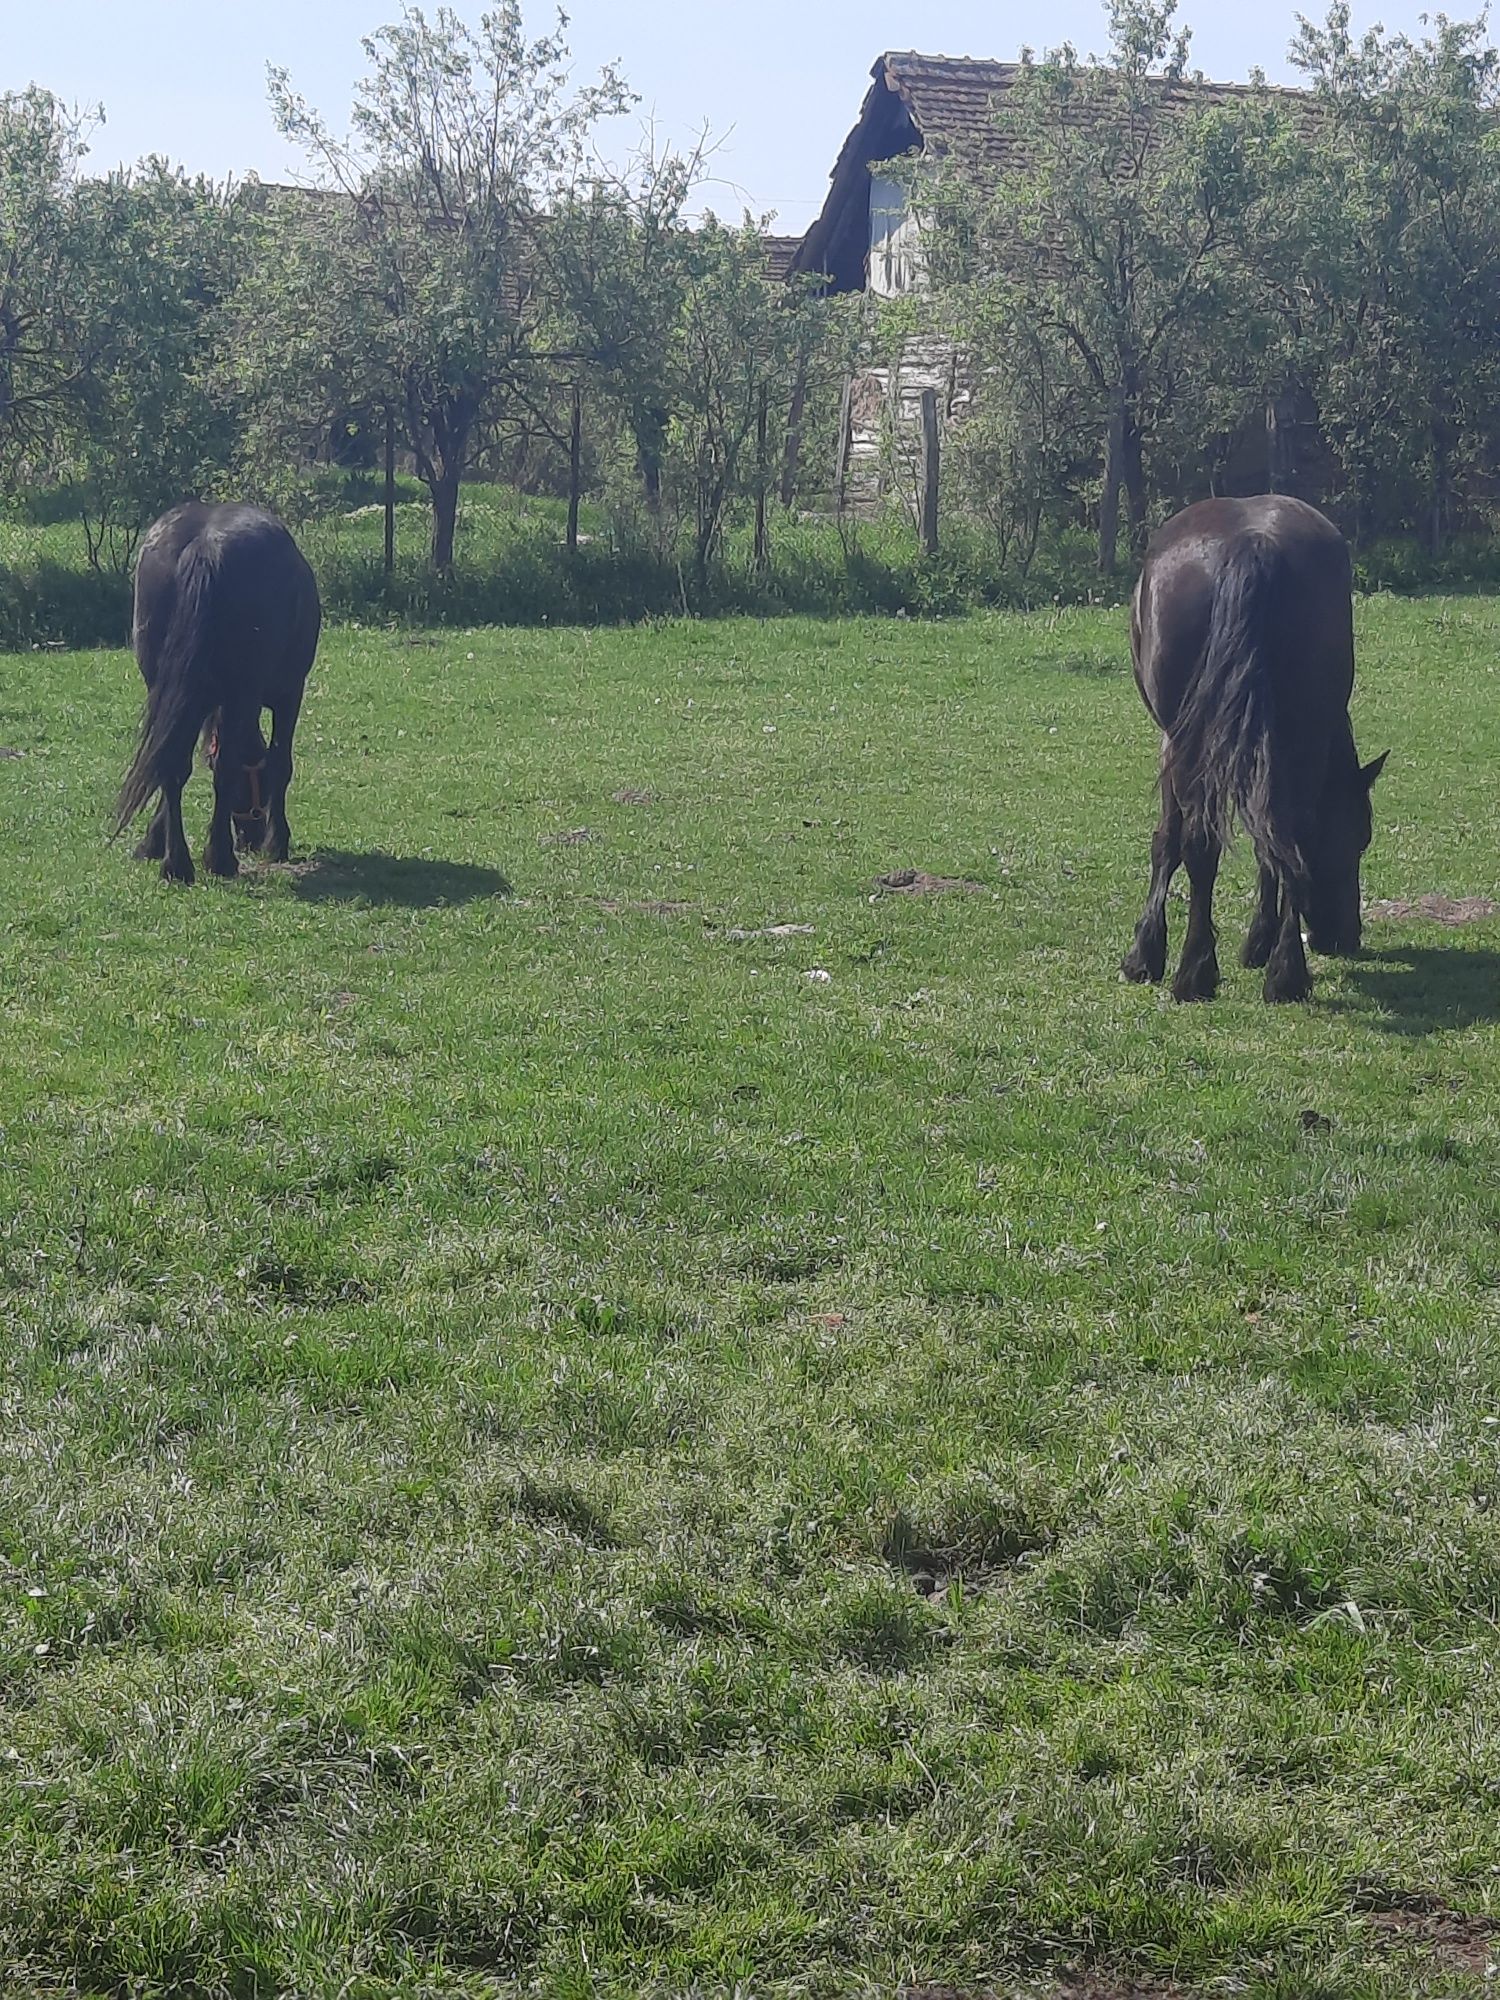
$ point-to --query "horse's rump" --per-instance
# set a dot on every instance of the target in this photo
(1243, 643)
(226, 611)
(226, 626)
(1221, 752)
(1244, 652)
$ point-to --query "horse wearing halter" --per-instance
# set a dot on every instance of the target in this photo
(257, 812)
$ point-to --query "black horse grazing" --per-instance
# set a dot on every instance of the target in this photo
(226, 624)
(1242, 636)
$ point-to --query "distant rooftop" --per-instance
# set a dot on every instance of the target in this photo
(919, 103)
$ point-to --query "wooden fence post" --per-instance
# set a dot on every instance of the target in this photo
(575, 468)
(390, 491)
(762, 475)
(931, 450)
(841, 461)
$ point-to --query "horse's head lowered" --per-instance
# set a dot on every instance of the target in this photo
(1345, 825)
(245, 778)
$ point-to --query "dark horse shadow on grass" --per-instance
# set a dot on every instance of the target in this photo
(1427, 989)
(410, 882)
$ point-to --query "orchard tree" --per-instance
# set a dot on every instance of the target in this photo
(459, 137)
(1382, 254)
(1098, 269)
(42, 145)
(742, 342)
(150, 261)
(301, 351)
(614, 254)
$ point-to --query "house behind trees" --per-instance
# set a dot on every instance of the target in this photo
(868, 239)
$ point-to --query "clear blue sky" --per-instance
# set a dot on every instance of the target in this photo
(777, 81)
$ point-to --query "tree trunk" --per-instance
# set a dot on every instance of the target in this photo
(444, 490)
(650, 448)
(440, 434)
(1279, 473)
(1109, 505)
(1133, 475)
(713, 501)
(575, 468)
(1124, 472)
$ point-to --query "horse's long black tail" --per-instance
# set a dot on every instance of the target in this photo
(1219, 748)
(185, 687)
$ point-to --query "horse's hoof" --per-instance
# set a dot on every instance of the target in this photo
(224, 867)
(1142, 970)
(1280, 992)
(180, 872)
(1257, 953)
(1201, 982)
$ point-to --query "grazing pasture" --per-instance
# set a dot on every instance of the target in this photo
(595, 1403)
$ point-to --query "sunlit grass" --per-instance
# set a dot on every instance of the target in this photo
(557, 1440)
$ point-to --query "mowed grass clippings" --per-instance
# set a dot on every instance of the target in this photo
(595, 1403)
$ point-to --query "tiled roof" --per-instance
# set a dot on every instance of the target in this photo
(780, 250)
(947, 104)
(952, 99)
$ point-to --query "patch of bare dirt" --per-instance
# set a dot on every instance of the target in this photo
(648, 909)
(917, 882)
(6, 752)
(1450, 1938)
(631, 795)
(1105, 1985)
(771, 931)
(1098, 1983)
(576, 836)
(1436, 909)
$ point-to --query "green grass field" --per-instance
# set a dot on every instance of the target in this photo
(555, 1442)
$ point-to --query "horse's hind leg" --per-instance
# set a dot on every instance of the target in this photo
(1147, 957)
(284, 713)
(1287, 976)
(177, 861)
(1261, 938)
(1198, 974)
(218, 855)
(154, 846)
